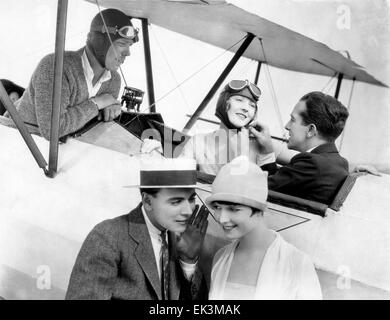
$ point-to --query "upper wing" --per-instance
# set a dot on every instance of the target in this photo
(222, 25)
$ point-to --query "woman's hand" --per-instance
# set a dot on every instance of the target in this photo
(151, 145)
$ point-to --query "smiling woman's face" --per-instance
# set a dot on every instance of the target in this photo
(236, 220)
(241, 110)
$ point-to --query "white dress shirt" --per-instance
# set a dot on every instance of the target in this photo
(88, 73)
(155, 237)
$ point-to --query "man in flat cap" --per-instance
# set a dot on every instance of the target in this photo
(90, 84)
(152, 252)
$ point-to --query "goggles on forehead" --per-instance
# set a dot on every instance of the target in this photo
(128, 32)
(238, 85)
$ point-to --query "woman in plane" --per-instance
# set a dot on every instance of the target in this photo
(258, 264)
(236, 108)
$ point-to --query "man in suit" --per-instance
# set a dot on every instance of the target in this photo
(318, 170)
(152, 252)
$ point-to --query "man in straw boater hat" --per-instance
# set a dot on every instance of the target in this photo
(258, 263)
(152, 252)
(90, 84)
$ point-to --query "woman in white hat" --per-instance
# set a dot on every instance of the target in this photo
(258, 263)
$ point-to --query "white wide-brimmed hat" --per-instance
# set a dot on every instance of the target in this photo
(160, 172)
(241, 182)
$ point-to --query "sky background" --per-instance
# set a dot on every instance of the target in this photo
(27, 33)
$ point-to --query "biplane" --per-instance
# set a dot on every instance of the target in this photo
(46, 215)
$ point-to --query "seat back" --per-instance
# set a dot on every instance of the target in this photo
(344, 190)
(286, 200)
(313, 207)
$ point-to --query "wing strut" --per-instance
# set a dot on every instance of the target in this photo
(340, 77)
(257, 73)
(348, 108)
(148, 65)
(22, 128)
(218, 83)
(55, 116)
(62, 11)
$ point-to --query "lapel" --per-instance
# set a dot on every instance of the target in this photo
(325, 148)
(174, 285)
(80, 69)
(144, 251)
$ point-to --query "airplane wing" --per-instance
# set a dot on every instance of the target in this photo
(222, 24)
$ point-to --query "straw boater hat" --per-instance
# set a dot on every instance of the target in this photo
(241, 182)
(167, 173)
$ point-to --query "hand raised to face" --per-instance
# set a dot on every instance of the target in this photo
(190, 242)
(263, 137)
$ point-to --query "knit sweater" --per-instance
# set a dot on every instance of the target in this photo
(77, 109)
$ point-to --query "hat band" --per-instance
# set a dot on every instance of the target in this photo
(168, 178)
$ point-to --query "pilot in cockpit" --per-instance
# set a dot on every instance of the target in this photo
(90, 84)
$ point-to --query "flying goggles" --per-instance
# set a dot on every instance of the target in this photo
(238, 85)
(128, 32)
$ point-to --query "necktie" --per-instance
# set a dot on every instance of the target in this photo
(164, 266)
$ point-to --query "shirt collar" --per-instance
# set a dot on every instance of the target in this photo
(88, 71)
(153, 231)
(315, 147)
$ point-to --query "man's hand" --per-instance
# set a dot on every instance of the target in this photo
(190, 242)
(368, 169)
(104, 100)
(263, 137)
(110, 113)
(238, 144)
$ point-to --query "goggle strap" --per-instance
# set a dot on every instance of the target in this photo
(115, 30)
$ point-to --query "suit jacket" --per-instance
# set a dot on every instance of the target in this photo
(315, 175)
(116, 261)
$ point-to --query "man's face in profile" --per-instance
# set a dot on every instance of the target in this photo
(297, 129)
(171, 208)
(117, 53)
